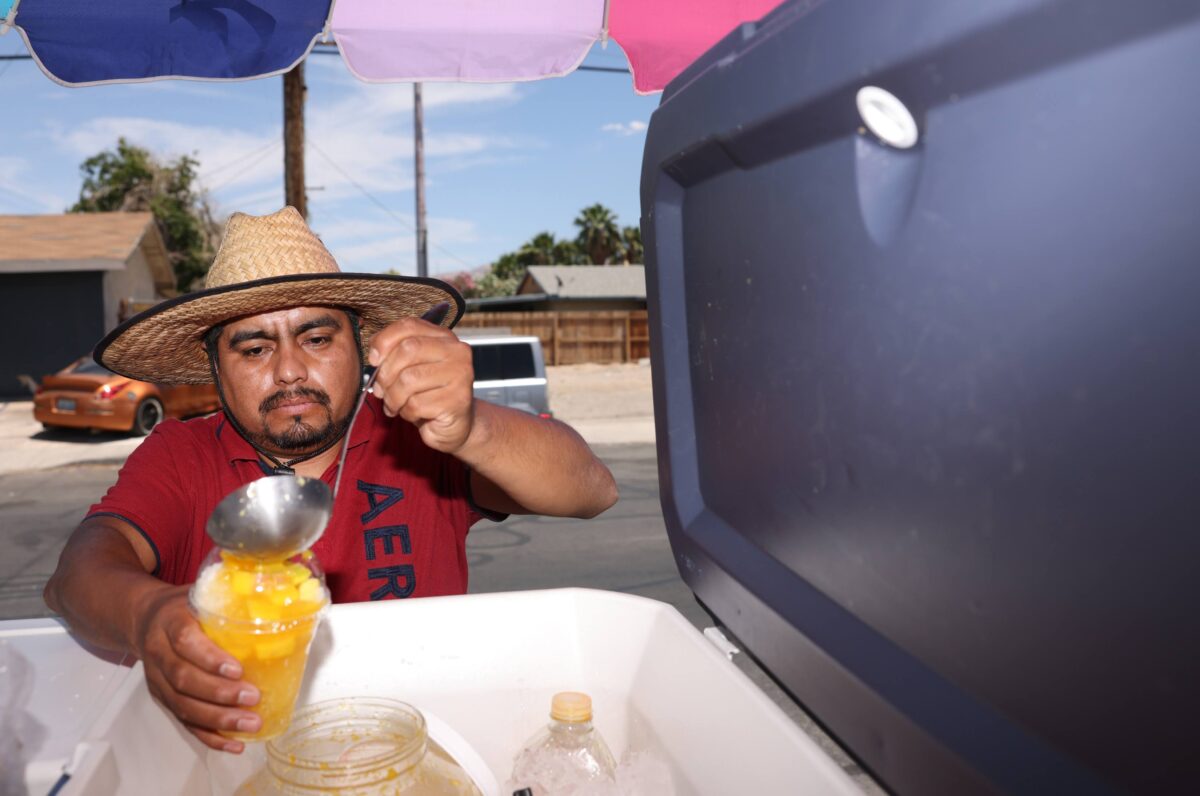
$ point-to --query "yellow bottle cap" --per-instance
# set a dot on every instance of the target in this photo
(571, 706)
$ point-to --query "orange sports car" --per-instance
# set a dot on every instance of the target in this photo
(86, 395)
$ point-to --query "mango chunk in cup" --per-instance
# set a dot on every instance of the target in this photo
(264, 613)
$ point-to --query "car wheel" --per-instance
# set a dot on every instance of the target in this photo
(148, 415)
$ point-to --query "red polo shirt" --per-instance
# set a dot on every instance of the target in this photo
(399, 525)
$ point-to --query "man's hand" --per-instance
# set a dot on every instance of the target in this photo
(189, 674)
(426, 377)
(519, 463)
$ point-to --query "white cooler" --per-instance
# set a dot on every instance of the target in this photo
(482, 668)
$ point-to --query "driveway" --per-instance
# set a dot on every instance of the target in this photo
(27, 446)
(606, 404)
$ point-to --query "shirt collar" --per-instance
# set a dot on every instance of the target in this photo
(239, 450)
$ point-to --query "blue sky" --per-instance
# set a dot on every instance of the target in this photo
(503, 161)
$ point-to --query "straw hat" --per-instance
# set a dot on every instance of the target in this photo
(265, 264)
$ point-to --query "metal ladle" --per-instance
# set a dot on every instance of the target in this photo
(273, 517)
(279, 516)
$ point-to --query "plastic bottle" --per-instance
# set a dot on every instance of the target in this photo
(567, 757)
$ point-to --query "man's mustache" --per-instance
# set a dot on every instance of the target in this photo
(273, 401)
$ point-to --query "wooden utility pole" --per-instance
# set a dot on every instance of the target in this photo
(294, 92)
(419, 154)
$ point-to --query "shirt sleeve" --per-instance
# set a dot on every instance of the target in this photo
(150, 496)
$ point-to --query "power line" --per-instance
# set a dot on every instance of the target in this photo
(245, 156)
(381, 205)
(269, 150)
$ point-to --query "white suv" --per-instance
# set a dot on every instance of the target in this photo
(510, 371)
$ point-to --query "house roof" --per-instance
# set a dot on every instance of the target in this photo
(82, 242)
(586, 281)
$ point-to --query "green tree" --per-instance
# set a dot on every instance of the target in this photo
(539, 250)
(130, 179)
(509, 267)
(566, 252)
(502, 279)
(600, 241)
(631, 244)
(492, 285)
(598, 237)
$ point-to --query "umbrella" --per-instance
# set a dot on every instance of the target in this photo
(83, 42)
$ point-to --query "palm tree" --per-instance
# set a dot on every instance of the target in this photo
(539, 250)
(598, 233)
(635, 253)
(566, 252)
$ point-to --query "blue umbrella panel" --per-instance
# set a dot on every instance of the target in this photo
(81, 42)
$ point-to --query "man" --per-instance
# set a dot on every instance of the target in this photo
(282, 333)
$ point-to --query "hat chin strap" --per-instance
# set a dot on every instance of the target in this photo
(280, 467)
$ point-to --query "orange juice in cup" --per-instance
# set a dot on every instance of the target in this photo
(264, 613)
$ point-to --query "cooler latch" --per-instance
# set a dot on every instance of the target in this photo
(718, 640)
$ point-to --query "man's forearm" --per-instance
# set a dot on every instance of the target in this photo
(534, 466)
(100, 586)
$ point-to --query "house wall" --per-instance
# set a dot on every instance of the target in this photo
(56, 318)
(135, 281)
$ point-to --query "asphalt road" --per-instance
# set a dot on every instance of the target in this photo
(38, 511)
(625, 549)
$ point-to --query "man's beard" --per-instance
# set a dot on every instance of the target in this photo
(299, 437)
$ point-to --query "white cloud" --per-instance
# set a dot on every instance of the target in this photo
(621, 128)
(11, 167)
(256, 203)
(377, 153)
(19, 193)
(193, 88)
(359, 228)
(396, 99)
(228, 157)
(364, 137)
(378, 243)
(452, 230)
(362, 256)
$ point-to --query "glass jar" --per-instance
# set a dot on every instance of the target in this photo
(264, 613)
(358, 747)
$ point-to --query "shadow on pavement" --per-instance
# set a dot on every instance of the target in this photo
(88, 436)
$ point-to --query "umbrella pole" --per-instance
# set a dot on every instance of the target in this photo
(419, 156)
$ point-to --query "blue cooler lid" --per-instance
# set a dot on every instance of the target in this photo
(929, 415)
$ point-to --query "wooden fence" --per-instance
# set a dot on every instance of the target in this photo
(571, 338)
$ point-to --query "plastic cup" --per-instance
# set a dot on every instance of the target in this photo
(269, 634)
